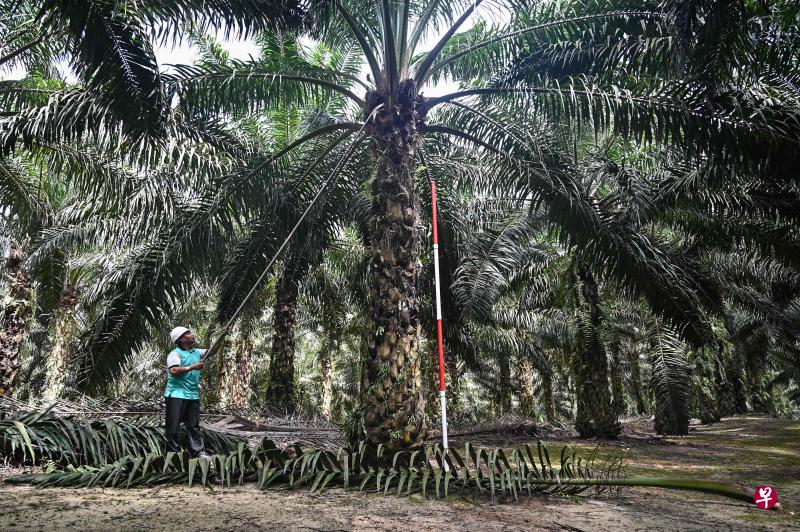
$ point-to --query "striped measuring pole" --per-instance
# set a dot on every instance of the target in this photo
(442, 388)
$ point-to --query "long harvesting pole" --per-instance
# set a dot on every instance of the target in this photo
(335, 172)
(440, 342)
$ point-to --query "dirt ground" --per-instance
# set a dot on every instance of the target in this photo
(746, 450)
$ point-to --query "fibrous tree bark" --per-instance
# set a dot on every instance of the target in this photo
(704, 387)
(725, 401)
(737, 378)
(672, 418)
(233, 392)
(636, 381)
(527, 400)
(453, 384)
(280, 392)
(547, 396)
(392, 402)
(57, 365)
(617, 393)
(16, 313)
(503, 398)
(330, 346)
(595, 415)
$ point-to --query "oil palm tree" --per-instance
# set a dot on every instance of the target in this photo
(761, 329)
(388, 34)
(16, 313)
(32, 196)
(530, 87)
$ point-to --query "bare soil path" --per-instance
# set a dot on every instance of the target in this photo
(746, 450)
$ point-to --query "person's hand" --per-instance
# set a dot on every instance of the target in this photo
(198, 366)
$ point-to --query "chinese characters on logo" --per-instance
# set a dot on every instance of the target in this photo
(765, 497)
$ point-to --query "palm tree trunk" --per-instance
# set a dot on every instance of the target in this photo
(240, 387)
(453, 385)
(527, 400)
(280, 391)
(547, 396)
(326, 364)
(57, 365)
(504, 391)
(233, 391)
(595, 415)
(15, 317)
(673, 420)
(724, 388)
(704, 393)
(617, 394)
(757, 390)
(736, 375)
(393, 404)
(636, 382)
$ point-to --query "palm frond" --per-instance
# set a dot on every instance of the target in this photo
(39, 436)
(112, 53)
(21, 197)
(528, 470)
(742, 130)
(242, 88)
(670, 382)
(554, 39)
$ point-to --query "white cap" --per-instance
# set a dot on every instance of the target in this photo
(176, 333)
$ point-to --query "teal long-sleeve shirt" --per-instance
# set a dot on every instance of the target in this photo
(186, 385)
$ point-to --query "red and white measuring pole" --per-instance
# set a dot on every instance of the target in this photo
(442, 388)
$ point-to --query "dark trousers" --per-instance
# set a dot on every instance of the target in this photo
(188, 412)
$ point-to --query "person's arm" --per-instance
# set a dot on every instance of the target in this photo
(180, 370)
(174, 365)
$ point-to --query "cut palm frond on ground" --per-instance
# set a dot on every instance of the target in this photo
(34, 437)
(475, 471)
(112, 453)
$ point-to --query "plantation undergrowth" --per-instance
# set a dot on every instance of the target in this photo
(111, 453)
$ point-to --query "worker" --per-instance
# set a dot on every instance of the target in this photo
(182, 394)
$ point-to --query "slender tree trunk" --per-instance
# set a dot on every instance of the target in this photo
(15, 317)
(504, 391)
(755, 375)
(453, 384)
(704, 394)
(57, 365)
(240, 388)
(393, 404)
(636, 382)
(326, 364)
(547, 396)
(617, 393)
(527, 400)
(225, 360)
(280, 391)
(757, 390)
(595, 416)
(725, 397)
(233, 392)
(737, 379)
